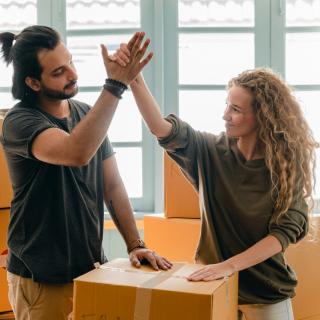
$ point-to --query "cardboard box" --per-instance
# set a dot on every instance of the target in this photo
(176, 239)
(7, 316)
(119, 291)
(5, 183)
(304, 258)
(180, 198)
(4, 222)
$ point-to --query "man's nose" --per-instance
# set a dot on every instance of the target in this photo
(72, 74)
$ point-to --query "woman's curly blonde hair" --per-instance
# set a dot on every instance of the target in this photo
(283, 136)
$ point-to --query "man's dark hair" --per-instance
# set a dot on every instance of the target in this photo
(22, 50)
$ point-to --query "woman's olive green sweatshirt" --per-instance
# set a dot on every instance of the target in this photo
(236, 209)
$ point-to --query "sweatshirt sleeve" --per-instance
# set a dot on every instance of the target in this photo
(182, 146)
(292, 226)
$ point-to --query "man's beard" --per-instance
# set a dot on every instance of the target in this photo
(59, 95)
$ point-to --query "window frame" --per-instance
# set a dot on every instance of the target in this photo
(58, 18)
(159, 19)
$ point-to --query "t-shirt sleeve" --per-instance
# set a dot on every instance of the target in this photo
(106, 149)
(182, 146)
(292, 226)
(19, 130)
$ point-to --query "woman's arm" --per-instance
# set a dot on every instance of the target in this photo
(149, 108)
(259, 252)
(147, 105)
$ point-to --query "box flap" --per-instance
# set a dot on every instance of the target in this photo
(178, 282)
(121, 272)
(119, 291)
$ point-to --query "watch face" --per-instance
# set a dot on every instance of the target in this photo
(136, 244)
(140, 242)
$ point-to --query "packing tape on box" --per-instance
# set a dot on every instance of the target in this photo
(226, 279)
(144, 291)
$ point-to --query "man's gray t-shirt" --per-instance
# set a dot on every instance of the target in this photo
(56, 224)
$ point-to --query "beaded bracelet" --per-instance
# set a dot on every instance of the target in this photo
(115, 87)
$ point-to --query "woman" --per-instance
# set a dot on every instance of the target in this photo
(254, 182)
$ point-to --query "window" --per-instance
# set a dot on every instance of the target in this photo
(215, 42)
(301, 42)
(199, 45)
(209, 41)
(84, 25)
(114, 22)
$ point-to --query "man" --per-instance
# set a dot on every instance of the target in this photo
(62, 167)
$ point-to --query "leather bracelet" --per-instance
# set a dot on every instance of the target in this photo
(115, 87)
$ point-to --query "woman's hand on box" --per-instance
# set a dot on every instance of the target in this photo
(212, 272)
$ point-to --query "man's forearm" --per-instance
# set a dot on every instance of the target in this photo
(121, 212)
(87, 136)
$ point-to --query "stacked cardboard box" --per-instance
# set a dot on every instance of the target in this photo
(116, 290)
(180, 198)
(5, 203)
(7, 316)
(174, 238)
(4, 221)
(175, 235)
(5, 190)
(304, 258)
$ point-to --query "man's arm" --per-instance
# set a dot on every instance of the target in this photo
(58, 147)
(117, 201)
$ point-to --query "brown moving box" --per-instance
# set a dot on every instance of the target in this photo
(4, 222)
(5, 202)
(304, 258)
(180, 198)
(7, 316)
(5, 184)
(117, 290)
(177, 239)
(173, 238)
